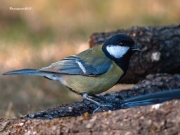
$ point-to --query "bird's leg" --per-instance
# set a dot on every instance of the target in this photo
(85, 96)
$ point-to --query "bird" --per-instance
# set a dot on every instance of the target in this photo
(92, 71)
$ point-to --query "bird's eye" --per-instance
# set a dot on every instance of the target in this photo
(121, 43)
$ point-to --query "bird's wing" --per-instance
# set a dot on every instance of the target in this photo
(90, 66)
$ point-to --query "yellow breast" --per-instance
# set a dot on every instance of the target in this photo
(93, 84)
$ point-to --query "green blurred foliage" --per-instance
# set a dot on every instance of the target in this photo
(52, 30)
(69, 20)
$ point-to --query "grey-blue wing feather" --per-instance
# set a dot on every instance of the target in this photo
(69, 65)
(75, 65)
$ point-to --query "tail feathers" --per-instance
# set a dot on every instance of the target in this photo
(26, 72)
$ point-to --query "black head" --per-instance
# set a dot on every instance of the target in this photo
(120, 49)
(119, 45)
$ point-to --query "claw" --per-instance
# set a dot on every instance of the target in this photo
(102, 105)
(85, 96)
(96, 109)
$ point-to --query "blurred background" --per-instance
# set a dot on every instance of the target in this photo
(51, 30)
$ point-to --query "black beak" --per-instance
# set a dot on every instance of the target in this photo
(135, 48)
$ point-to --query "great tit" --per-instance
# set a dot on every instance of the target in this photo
(92, 71)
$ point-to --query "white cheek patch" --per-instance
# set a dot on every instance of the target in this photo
(116, 50)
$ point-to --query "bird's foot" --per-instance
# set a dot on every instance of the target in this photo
(85, 96)
(102, 105)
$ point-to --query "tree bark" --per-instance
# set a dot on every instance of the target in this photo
(160, 50)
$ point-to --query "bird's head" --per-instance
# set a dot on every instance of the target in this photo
(120, 46)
